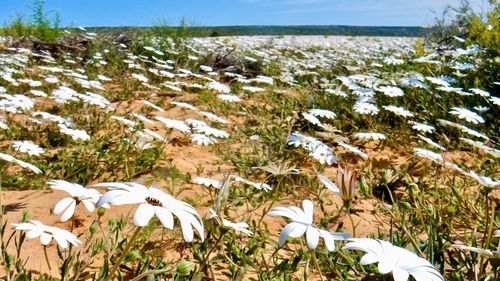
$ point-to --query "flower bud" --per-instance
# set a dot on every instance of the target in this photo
(184, 267)
(101, 211)
(405, 205)
(93, 227)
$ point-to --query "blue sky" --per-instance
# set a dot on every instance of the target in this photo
(237, 12)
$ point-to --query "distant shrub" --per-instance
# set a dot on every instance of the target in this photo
(486, 34)
(42, 25)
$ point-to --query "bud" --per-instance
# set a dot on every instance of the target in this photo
(184, 268)
(347, 182)
(101, 211)
(451, 210)
(406, 205)
(93, 227)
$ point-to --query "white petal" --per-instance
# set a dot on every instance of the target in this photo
(63, 205)
(187, 231)
(63, 243)
(89, 205)
(143, 214)
(369, 258)
(386, 264)
(45, 238)
(308, 207)
(312, 237)
(68, 211)
(400, 274)
(293, 230)
(165, 217)
(329, 184)
(329, 240)
(33, 233)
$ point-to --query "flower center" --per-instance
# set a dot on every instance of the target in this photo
(153, 201)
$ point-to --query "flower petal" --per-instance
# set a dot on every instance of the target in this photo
(165, 217)
(45, 238)
(292, 229)
(63, 205)
(143, 214)
(312, 237)
(308, 207)
(400, 274)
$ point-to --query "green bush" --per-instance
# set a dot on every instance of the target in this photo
(42, 25)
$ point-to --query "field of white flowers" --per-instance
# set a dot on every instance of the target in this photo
(248, 158)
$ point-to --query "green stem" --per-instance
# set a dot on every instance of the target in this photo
(316, 264)
(124, 253)
(47, 258)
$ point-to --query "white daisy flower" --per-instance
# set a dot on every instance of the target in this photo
(153, 201)
(184, 105)
(207, 182)
(66, 207)
(369, 136)
(398, 110)
(431, 142)
(38, 93)
(16, 103)
(140, 77)
(466, 114)
(219, 87)
(424, 128)
(214, 117)
(12, 159)
(312, 119)
(196, 123)
(480, 92)
(322, 113)
(302, 223)
(47, 233)
(206, 68)
(495, 100)
(239, 226)
(125, 121)
(258, 185)
(438, 81)
(483, 180)
(324, 154)
(353, 149)
(366, 108)
(28, 147)
(464, 129)
(74, 133)
(253, 89)
(391, 91)
(431, 155)
(202, 139)
(229, 98)
(174, 124)
(401, 262)
(209, 131)
(480, 108)
(143, 118)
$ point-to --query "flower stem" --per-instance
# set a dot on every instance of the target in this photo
(124, 253)
(316, 264)
(47, 258)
